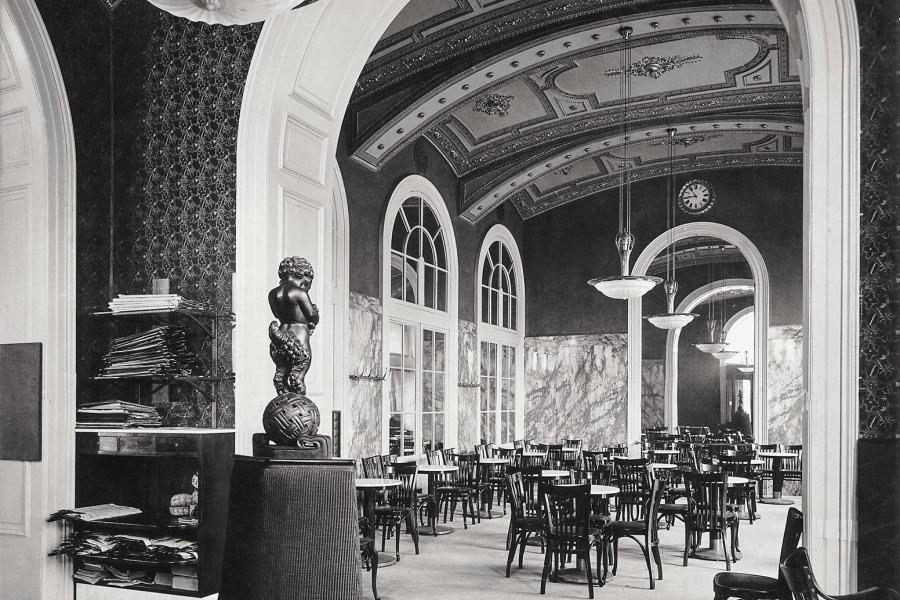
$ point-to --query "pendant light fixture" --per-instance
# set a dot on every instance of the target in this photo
(723, 354)
(670, 319)
(625, 286)
(747, 367)
(712, 325)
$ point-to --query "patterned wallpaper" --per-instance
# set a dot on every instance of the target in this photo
(182, 198)
(879, 386)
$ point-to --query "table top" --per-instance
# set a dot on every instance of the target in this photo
(554, 473)
(663, 466)
(533, 453)
(376, 482)
(437, 468)
(777, 454)
(669, 452)
(507, 446)
(492, 461)
(604, 490)
(735, 480)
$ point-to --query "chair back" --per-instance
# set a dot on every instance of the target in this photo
(795, 463)
(558, 458)
(449, 453)
(618, 450)
(532, 461)
(481, 450)
(532, 488)
(651, 511)
(793, 530)
(706, 500)
(798, 575)
(567, 510)
(633, 481)
(373, 466)
(516, 490)
(519, 445)
(575, 445)
(468, 469)
(405, 494)
(435, 457)
(736, 465)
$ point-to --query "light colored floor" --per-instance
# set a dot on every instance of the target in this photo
(470, 564)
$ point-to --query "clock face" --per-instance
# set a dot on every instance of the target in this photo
(696, 197)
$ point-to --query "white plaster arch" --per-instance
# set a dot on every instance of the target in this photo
(313, 56)
(500, 233)
(761, 301)
(38, 198)
(416, 186)
(688, 304)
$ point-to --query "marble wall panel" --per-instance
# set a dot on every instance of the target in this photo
(365, 366)
(653, 392)
(576, 386)
(467, 399)
(785, 384)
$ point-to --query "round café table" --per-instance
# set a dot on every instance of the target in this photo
(777, 476)
(370, 486)
(554, 473)
(715, 551)
(433, 471)
(485, 514)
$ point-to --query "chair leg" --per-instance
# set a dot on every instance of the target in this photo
(384, 529)
(510, 556)
(587, 569)
(725, 548)
(522, 543)
(413, 531)
(397, 542)
(687, 543)
(373, 562)
(654, 548)
(546, 572)
(615, 545)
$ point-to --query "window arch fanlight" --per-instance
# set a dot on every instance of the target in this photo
(420, 320)
(501, 341)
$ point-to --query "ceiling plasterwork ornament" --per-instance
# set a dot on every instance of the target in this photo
(495, 105)
(112, 5)
(564, 170)
(655, 67)
(226, 12)
(687, 140)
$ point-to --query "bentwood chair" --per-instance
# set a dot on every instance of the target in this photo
(373, 467)
(765, 472)
(633, 480)
(644, 528)
(521, 524)
(745, 493)
(708, 513)
(368, 552)
(400, 506)
(568, 530)
(802, 582)
(760, 587)
(466, 489)
(792, 468)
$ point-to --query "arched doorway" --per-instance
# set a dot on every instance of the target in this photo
(290, 122)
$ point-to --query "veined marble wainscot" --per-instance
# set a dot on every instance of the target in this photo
(365, 366)
(576, 387)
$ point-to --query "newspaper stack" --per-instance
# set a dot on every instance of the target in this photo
(117, 413)
(162, 350)
(129, 303)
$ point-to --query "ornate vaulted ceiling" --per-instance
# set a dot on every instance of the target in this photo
(523, 97)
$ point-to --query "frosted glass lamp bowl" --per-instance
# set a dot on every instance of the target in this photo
(670, 320)
(725, 354)
(710, 348)
(625, 287)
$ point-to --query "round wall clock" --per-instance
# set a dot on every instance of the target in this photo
(696, 197)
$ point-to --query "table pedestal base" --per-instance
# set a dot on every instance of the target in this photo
(438, 530)
(715, 552)
(386, 559)
(576, 575)
(776, 499)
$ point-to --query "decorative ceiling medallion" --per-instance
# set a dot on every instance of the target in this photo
(687, 140)
(564, 170)
(495, 105)
(226, 12)
(654, 66)
(112, 5)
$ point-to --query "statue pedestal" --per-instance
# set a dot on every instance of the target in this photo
(317, 446)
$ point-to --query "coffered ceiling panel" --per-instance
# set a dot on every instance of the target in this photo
(534, 113)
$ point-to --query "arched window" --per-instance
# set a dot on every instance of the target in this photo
(501, 337)
(418, 256)
(420, 335)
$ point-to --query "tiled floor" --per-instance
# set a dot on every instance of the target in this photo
(470, 565)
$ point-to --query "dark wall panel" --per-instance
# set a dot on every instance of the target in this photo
(569, 245)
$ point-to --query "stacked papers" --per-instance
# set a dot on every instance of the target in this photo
(90, 572)
(100, 512)
(117, 413)
(125, 303)
(162, 350)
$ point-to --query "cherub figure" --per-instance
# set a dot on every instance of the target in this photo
(297, 319)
